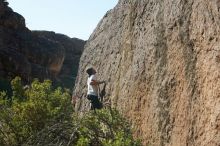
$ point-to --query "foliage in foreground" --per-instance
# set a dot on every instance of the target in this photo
(31, 109)
(41, 115)
(104, 127)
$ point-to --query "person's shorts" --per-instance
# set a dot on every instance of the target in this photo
(96, 104)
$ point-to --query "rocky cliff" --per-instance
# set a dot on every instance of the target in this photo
(35, 54)
(73, 48)
(162, 63)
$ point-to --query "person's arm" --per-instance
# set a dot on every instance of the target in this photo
(95, 82)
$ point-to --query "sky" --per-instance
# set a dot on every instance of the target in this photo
(75, 18)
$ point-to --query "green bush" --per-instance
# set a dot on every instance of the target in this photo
(32, 109)
(105, 127)
(41, 115)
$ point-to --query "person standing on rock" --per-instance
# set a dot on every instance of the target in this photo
(93, 87)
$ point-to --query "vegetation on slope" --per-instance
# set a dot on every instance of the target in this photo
(42, 115)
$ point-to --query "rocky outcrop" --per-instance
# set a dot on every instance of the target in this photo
(73, 50)
(162, 60)
(33, 54)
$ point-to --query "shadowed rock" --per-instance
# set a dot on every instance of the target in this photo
(43, 55)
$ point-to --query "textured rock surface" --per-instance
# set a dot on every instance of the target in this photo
(73, 50)
(162, 60)
(35, 54)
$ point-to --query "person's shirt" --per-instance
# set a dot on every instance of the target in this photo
(92, 89)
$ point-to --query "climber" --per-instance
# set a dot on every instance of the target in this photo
(93, 87)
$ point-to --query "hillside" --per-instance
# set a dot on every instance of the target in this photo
(161, 59)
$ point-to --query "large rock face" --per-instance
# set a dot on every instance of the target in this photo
(35, 54)
(162, 61)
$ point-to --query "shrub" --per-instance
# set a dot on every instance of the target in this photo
(32, 109)
(104, 127)
(41, 115)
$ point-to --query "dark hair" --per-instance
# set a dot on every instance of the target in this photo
(89, 71)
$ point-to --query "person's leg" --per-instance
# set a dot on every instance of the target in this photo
(97, 104)
(89, 97)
